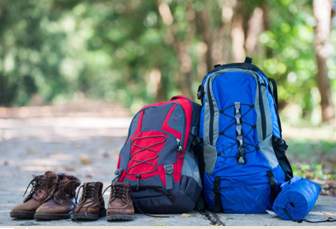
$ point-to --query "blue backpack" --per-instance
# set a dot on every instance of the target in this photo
(244, 154)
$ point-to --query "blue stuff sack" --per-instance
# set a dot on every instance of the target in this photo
(296, 198)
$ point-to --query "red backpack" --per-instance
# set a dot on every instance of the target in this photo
(158, 160)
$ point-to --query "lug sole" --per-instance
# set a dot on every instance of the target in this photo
(21, 214)
(121, 217)
(51, 216)
(88, 216)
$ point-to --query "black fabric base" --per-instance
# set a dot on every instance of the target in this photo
(181, 199)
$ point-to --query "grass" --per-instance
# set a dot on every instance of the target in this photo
(312, 151)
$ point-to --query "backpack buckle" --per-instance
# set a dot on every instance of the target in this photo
(179, 146)
(169, 176)
(169, 169)
(118, 172)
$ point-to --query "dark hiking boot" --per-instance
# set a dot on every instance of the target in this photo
(38, 193)
(120, 205)
(61, 199)
(91, 204)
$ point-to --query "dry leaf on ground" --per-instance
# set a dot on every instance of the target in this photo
(187, 215)
(85, 160)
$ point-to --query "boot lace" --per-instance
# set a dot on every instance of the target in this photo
(37, 183)
(89, 192)
(118, 192)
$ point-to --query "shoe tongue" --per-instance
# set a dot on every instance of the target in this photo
(90, 184)
(122, 184)
(65, 179)
(49, 173)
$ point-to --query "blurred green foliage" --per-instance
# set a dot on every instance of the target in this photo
(313, 159)
(124, 51)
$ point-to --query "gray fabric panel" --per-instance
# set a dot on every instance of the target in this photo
(210, 152)
(210, 157)
(216, 113)
(152, 119)
(266, 148)
(168, 153)
(176, 120)
(125, 155)
(190, 168)
(134, 124)
(206, 124)
(257, 109)
(269, 123)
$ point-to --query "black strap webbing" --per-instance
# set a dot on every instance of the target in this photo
(218, 200)
(275, 91)
(213, 217)
(198, 150)
(275, 94)
(272, 183)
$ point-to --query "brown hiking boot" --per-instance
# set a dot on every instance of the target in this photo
(91, 204)
(120, 205)
(60, 201)
(41, 185)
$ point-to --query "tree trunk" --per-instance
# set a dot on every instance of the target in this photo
(3, 77)
(184, 78)
(238, 35)
(266, 24)
(206, 33)
(227, 16)
(222, 42)
(255, 28)
(322, 13)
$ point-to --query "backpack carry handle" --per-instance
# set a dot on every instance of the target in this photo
(179, 97)
(246, 65)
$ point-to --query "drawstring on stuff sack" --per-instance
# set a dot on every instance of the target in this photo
(296, 199)
(330, 219)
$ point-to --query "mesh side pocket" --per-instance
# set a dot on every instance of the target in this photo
(190, 168)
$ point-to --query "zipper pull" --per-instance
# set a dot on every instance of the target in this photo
(179, 146)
